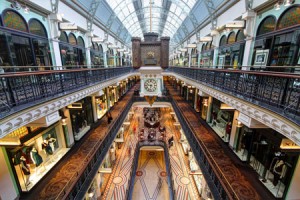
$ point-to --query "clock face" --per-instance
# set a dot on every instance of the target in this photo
(150, 85)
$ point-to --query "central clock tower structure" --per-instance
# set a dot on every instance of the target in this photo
(151, 81)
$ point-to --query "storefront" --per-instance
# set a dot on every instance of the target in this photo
(110, 58)
(194, 57)
(97, 55)
(202, 106)
(101, 105)
(221, 119)
(270, 154)
(22, 43)
(39, 150)
(81, 115)
(207, 54)
(72, 50)
(277, 40)
(231, 50)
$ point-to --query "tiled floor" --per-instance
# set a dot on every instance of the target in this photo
(151, 182)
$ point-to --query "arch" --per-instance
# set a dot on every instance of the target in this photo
(63, 37)
(80, 41)
(95, 46)
(208, 46)
(72, 39)
(37, 28)
(100, 48)
(223, 40)
(13, 20)
(240, 36)
(231, 38)
(290, 17)
(267, 25)
(203, 47)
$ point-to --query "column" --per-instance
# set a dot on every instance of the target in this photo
(216, 42)
(195, 99)
(234, 130)
(54, 42)
(94, 107)
(115, 57)
(209, 106)
(105, 59)
(88, 57)
(293, 191)
(249, 16)
(107, 98)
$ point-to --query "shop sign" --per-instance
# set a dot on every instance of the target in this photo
(67, 26)
(47, 120)
(288, 144)
(250, 122)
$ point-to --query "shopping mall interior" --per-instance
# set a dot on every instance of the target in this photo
(149, 99)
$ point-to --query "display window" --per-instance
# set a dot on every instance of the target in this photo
(110, 57)
(37, 156)
(207, 54)
(97, 55)
(221, 120)
(72, 50)
(261, 148)
(101, 105)
(27, 46)
(231, 50)
(81, 117)
(277, 42)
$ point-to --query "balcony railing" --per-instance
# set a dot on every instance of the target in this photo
(22, 89)
(278, 92)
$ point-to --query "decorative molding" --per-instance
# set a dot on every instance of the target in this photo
(270, 119)
(22, 118)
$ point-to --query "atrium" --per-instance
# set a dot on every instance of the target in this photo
(149, 99)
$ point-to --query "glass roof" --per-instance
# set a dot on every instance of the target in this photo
(167, 15)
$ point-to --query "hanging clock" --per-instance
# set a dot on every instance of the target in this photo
(150, 85)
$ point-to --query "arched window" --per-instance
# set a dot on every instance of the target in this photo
(289, 18)
(13, 20)
(80, 41)
(37, 28)
(231, 38)
(72, 39)
(266, 26)
(100, 48)
(240, 36)
(208, 46)
(95, 46)
(203, 47)
(63, 37)
(223, 40)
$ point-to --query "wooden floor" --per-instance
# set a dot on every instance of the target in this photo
(242, 178)
(63, 175)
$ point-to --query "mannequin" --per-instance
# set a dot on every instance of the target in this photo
(35, 156)
(47, 148)
(279, 171)
(26, 170)
(51, 141)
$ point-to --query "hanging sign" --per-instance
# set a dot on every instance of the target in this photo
(67, 26)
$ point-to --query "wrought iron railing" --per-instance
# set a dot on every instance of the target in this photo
(278, 92)
(22, 89)
(130, 187)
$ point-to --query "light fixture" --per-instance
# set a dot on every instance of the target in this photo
(26, 9)
(288, 2)
(277, 6)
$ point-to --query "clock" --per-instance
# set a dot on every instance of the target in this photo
(150, 85)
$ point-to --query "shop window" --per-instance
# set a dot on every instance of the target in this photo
(266, 26)
(63, 37)
(80, 41)
(223, 40)
(13, 20)
(289, 18)
(231, 38)
(37, 28)
(72, 39)
(4, 52)
(37, 156)
(42, 53)
(240, 36)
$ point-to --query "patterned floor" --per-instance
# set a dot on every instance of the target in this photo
(238, 178)
(150, 182)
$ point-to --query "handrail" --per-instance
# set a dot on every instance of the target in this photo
(208, 155)
(275, 91)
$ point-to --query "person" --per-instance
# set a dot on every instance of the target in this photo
(25, 169)
(228, 131)
(279, 171)
(109, 117)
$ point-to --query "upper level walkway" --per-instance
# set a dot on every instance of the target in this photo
(63, 177)
(237, 178)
